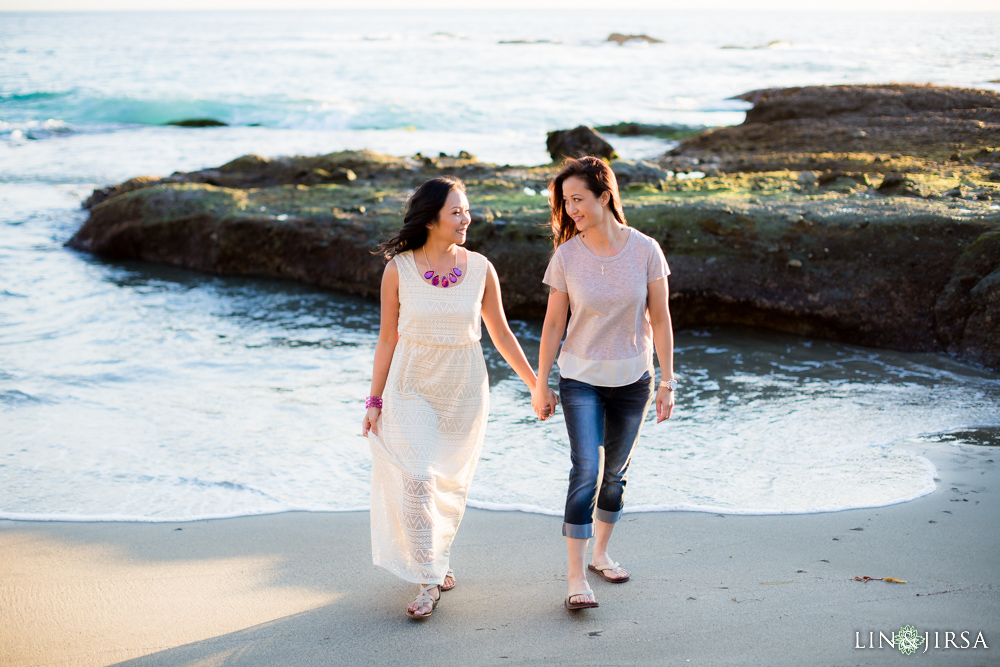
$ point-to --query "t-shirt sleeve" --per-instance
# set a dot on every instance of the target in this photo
(656, 264)
(555, 274)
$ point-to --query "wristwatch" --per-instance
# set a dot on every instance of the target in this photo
(669, 385)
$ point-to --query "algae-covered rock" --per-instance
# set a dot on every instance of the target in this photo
(628, 129)
(637, 171)
(860, 273)
(801, 242)
(899, 184)
(234, 232)
(868, 270)
(891, 100)
(99, 195)
(786, 127)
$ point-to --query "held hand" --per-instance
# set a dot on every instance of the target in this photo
(550, 408)
(664, 404)
(543, 402)
(371, 417)
(538, 399)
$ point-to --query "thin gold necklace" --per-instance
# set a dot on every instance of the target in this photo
(618, 231)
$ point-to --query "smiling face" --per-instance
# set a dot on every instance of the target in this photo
(453, 220)
(583, 206)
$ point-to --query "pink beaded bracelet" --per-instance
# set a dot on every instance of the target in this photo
(373, 402)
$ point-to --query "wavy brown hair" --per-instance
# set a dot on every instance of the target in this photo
(422, 209)
(598, 177)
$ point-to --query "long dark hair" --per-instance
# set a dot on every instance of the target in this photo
(422, 208)
(598, 177)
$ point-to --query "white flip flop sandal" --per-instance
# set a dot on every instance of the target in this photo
(614, 567)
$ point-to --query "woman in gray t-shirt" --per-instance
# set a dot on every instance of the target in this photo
(614, 281)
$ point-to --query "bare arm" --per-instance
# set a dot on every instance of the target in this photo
(553, 328)
(657, 301)
(388, 336)
(503, 338)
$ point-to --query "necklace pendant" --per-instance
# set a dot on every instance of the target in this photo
(602, 269)
(447, 280)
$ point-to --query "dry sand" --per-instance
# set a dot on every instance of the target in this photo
(299, 588)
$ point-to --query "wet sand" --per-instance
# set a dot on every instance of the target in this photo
(299, 588)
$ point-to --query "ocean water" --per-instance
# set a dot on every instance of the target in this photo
(144, 392)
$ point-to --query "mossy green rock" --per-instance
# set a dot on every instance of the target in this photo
(890, 237)
(902, 273)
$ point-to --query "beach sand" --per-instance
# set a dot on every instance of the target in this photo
(300, 589)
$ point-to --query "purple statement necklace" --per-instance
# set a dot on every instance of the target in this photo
(443, 281)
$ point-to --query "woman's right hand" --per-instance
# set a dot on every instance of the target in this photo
(371, 417)
(544, 401)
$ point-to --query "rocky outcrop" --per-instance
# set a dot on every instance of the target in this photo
(650, 130)
(198, 122)
(578, 142)
(254, 171)
(227, 232)
(903, 276)
(967, 310)
(871, 125)
(637, 171)
(906, 274)
(894, 250)
(869, 101)
(621, 39)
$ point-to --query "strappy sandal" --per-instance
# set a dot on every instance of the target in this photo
(600, 572)
(573, 606)
(453, 582)
(424, 598)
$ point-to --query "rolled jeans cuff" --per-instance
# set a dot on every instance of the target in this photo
(608, 517)
(578, 531)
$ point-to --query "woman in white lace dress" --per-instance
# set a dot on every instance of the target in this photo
(426, 413)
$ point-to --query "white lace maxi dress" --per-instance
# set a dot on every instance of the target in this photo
(434, 411)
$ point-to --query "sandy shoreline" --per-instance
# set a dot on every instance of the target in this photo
(299, 588)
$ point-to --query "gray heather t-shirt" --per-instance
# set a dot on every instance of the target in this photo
(609, 341)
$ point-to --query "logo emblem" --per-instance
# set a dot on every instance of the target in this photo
(907, 640)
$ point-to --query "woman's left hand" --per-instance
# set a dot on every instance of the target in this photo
(664, 404)
(370, 422)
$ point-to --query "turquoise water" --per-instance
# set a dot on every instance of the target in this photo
(135, 391)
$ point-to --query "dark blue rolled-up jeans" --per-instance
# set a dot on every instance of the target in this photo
(603, 425)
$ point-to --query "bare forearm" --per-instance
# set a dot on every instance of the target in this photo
(548, 347)
(380, 369)
(512, 353)
(663, 341)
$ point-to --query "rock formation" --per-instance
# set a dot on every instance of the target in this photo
(621, 39)
(578, 142)
(903, 252)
